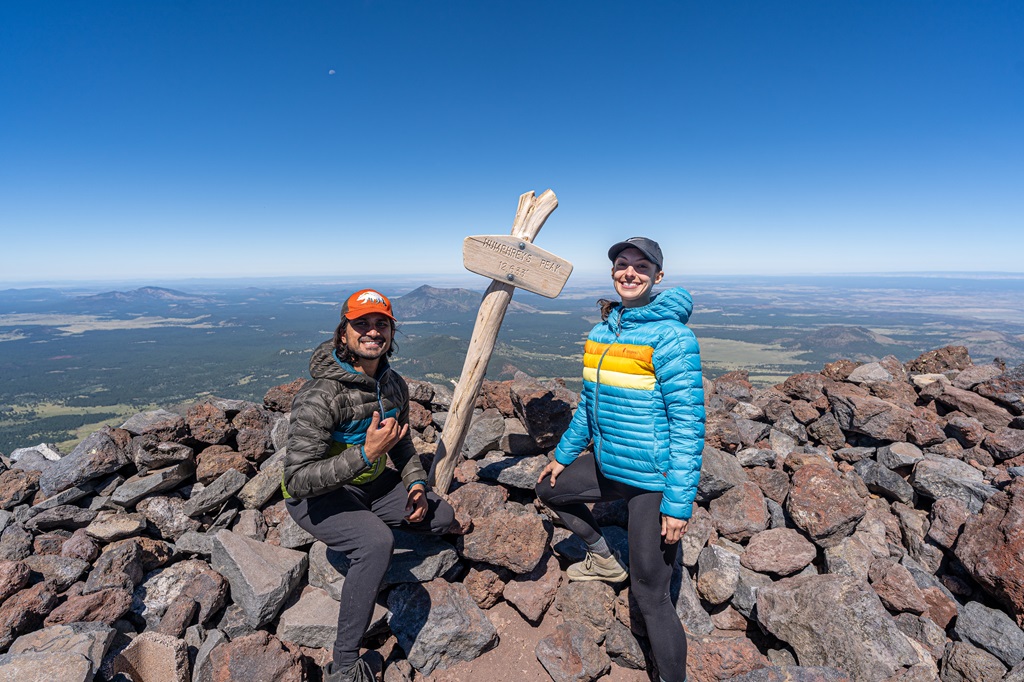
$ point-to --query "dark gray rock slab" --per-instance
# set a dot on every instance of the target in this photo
(438, 624)
(937, 477)
(216, 494)
(140, 486)
(261, 575)
(991, 630)
(102, 452)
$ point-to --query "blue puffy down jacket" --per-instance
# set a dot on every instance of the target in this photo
(642, 404)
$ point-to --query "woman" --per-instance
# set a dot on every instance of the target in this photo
(642, 408)
(344, 425)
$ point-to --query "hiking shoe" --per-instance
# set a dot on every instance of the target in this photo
(596, 567)
(359, 672)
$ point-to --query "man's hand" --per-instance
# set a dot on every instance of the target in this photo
(416, 506)
(382, 436)
(672, 529)
(553, 468)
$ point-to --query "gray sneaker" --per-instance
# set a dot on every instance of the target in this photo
(596, 567)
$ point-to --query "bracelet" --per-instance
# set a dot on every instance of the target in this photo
(419, 482)
(362, 453)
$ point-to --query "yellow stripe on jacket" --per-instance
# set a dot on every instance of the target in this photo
(622, 365)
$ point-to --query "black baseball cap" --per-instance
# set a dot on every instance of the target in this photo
(646, 246)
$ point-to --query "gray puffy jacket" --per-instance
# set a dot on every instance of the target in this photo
(330, 416)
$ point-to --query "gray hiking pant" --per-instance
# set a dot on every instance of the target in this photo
(356, 520)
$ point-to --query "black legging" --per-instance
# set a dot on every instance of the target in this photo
(650, 559)
(357, 520)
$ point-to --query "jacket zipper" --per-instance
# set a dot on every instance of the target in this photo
(597, 391)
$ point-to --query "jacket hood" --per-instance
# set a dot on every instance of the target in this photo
(671, 304)
(323, 365)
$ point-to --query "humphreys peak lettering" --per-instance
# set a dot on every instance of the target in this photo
(509, 251)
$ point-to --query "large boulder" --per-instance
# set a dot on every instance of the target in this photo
(438, 624)
(991, 548)
(261, 576)
(836, 621)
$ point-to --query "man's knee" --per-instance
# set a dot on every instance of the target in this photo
(377, 546)
(442, 518)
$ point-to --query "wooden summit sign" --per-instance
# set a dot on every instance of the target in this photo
(516, 261)
(511, 261)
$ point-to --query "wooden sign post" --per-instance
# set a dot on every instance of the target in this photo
(511, 261)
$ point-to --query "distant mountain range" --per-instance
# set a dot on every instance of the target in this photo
(427, 301)
(145, 295)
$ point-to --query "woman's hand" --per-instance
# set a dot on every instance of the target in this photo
(553, 468)
(672, 528)
(382, 436)
(416, 506)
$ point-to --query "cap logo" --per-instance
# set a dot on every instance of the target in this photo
(370, 297)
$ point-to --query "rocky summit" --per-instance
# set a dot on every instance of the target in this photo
(861, 523)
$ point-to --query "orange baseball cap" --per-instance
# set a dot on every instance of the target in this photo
(364, 302)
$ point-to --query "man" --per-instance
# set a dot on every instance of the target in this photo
(345, 423)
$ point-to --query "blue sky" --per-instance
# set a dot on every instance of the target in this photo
(182, 139)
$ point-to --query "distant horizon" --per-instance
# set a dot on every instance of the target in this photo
(468, 279)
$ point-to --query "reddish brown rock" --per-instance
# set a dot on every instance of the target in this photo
(735, 385)
(1006, 389)
(896, 588)
(984, 410)
(497, 394)
(591, 602)
(991, 548)
(180, 613)
(209, 424)
(924, 432)
(279, 398)
(104, 606)
(728, 618)
(515, 540)
(941, 360)
(1006, 443)
(740, 512)
(804, 412)
(253, 426)
(13, 576)
(947, 519)
(822, 504)
(967, 430)
(485, 584)
(782, 551)
(48, 543)
(419, 416)
(710, 659)
(772, 482)
(572, 654)
(259, 656)
(209, 589)
(839, 370)
(532, 593)
(479, 499)
(25, 611)
(941, 608)
(120, 565)
(807, 386)
(868, 415)
(216, 459)
(17, 486)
